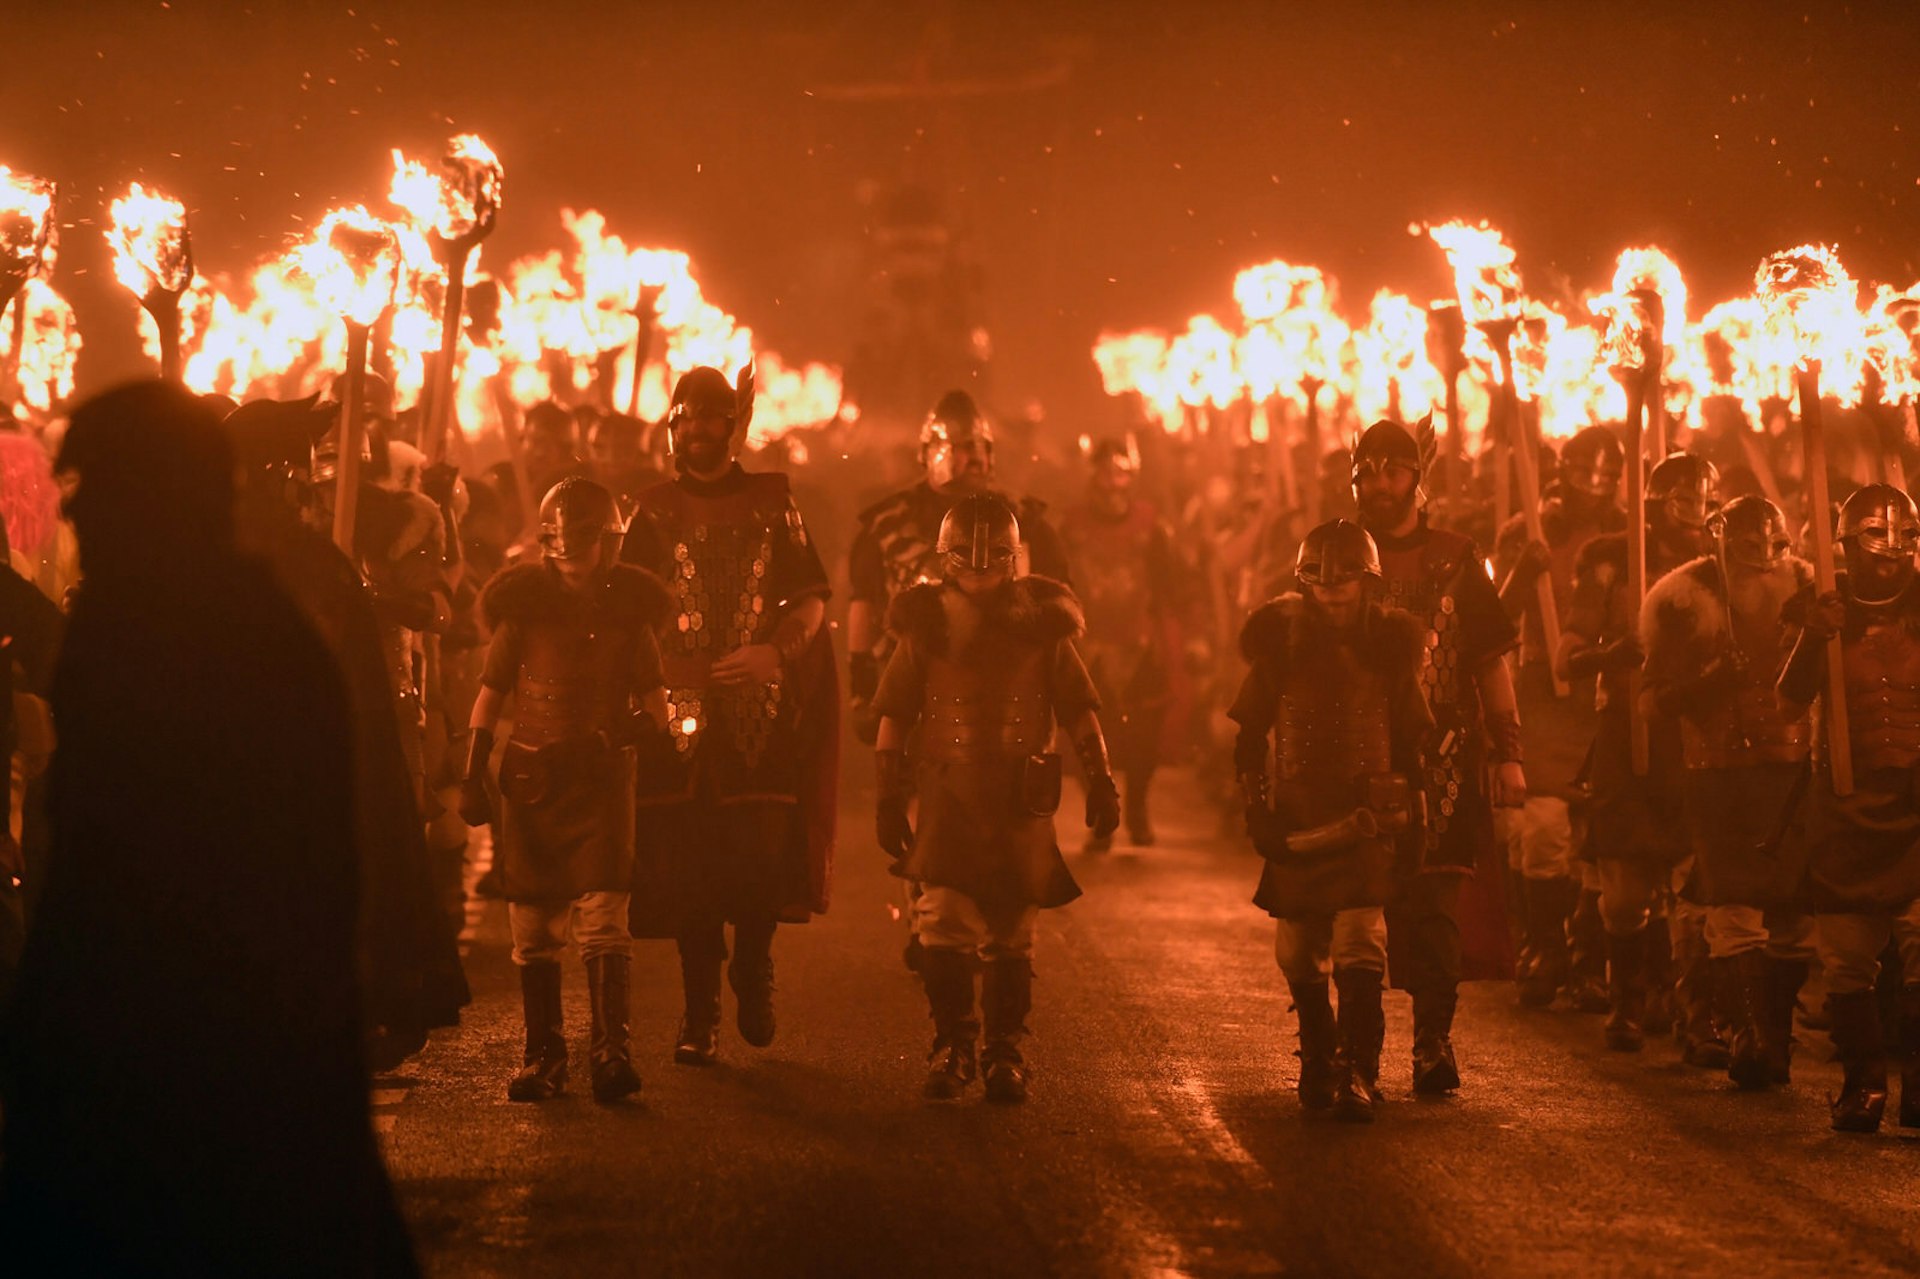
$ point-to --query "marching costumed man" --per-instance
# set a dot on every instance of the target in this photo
(1335, 687)
(737, 822)
(1128, 582)
(574, 646)
(1864, 855)
(1716, 632)
(1474, 760)
(896, 547)
(985, 666)
(1582, 505)
(1636, 834)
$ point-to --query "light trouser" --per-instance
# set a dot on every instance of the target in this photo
(1540, 838)
(597, 921)
(948, 919)
(1311, 948)
(1850, 946)
(1784, 932)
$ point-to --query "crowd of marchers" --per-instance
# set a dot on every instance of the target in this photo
(1682, 794)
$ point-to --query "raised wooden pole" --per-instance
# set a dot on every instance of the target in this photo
(1820, 517)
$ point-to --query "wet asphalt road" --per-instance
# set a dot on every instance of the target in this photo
(1162, 1136)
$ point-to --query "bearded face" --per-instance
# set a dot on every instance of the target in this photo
(1386, 494)
(703, 441)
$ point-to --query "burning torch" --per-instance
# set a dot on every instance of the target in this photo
(1808, 299)
(1634, 349)
(646, 315)
(354, 263)
(462, 210)
(1489, 292)
(26, 233)
(1447, 352)
(153, 258)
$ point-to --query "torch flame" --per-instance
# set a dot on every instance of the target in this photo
(1811, 316)
(353, 261)
(150, 247)
(26, 224)
(1484, 277)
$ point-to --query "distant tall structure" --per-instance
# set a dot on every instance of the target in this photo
(923, 324)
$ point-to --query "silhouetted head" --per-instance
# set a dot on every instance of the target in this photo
(148, 477)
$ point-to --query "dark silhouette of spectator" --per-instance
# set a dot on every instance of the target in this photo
(410, 960)
(29, 637)
(182, 1078)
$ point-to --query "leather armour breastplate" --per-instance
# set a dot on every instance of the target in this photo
(994, 706)
(1883, 697)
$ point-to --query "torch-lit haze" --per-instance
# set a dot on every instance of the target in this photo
(1107, 167)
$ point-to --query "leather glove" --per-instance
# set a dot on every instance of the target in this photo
(891, 825)
(1827, 616)
(1103, 797)
(476, 805)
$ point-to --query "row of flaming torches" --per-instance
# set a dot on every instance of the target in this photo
(401, 294)
(1633, 358)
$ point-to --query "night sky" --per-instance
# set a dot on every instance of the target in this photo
(1148, 152)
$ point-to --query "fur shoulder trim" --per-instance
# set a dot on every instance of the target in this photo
(1685, 601)
(519, 593)
(1044, 610)
(1602, 549)
(633, 594)
(532, 592)
(916, 614)
(1269, 627)
(418, 525)
(1400, 636)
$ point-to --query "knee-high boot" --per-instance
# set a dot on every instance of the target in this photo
(1857, 1036)
(1626, 990)
(1434, 1069)
(952, 1064)
(1362, 1030)
(1318, 1043)
(1785, 977)
(1006, 997)
(751, 975)
(543, 1072)
(1696, 988)
(609, 989)
(1746, 980)
(699, 1040)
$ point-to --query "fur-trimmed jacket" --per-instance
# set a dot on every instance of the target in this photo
(1341, 707)
(1294, 653)
(1716, 674)
(577, 659)
(944, 621)
(986, 679)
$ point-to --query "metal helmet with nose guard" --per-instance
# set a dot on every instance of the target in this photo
(979, 534)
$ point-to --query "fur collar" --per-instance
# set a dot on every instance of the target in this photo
(1688, 603)
(1032, 610)
(527, 593)
(1286, 629)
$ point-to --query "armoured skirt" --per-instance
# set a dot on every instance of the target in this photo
(985, 828)
(567, 820)
(1298, 886)
(1633, 818)
(1864, 848)
(1747, 828)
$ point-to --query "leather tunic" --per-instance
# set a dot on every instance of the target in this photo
(1883, 696)
(1329, 734)
(573, 682)
(974, 714)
